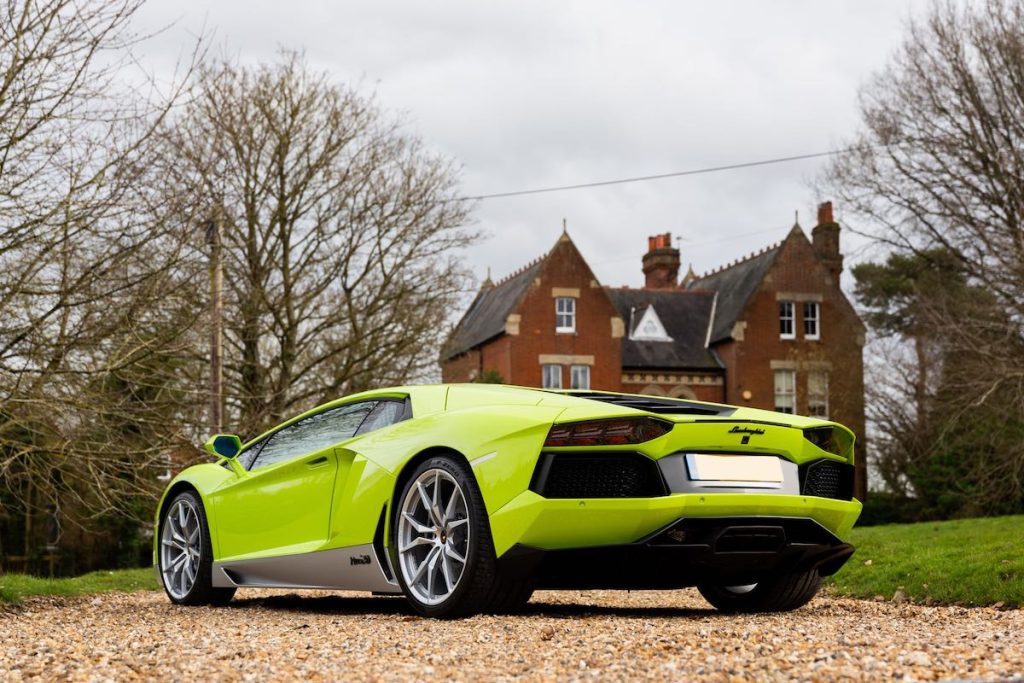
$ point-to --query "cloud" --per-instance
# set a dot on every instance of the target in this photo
(531, 94)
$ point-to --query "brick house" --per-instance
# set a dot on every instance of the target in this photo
(772, 330)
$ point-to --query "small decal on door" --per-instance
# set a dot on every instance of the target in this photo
(359, 559)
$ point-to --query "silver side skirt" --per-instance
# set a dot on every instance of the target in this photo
(354, 568)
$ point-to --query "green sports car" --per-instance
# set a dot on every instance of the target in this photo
(466, 498)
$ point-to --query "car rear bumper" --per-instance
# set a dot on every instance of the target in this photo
(566, 523)
(730, 550)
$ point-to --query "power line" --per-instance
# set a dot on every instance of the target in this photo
(659, 176)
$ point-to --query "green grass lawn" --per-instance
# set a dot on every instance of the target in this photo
(15, 587)
(965, 562)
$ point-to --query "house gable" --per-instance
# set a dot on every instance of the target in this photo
(597, 328)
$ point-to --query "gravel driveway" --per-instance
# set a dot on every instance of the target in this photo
(272, 635)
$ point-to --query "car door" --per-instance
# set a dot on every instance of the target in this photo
(282, 504)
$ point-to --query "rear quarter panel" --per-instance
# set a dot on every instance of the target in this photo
(501, 444)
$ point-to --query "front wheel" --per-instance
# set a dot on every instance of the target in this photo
(774, 594)
(186, 555)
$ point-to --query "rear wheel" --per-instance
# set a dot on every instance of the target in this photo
(510, 596)
(443, 545)
(186, 555)
(775, 594)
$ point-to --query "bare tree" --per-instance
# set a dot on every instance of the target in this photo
(938, 168)
(341, 235)
(940, 160)
(93, 285)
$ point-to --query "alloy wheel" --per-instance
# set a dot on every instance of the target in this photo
(433, 536)
(180, 548)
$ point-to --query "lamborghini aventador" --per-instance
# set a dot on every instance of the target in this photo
(467, 498)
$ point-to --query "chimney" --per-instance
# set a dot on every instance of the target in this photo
(661, 263)
(825, 237)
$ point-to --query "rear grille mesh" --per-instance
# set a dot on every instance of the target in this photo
(828, 479)
(612, 475)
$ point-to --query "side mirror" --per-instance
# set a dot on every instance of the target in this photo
(224, 445)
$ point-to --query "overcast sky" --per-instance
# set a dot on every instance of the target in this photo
(533, 94)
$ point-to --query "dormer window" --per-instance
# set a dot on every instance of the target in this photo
(650, 328)
(787, 320)
(565, 314)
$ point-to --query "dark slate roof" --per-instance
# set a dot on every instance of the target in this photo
(684, 314)
(735, 284)
(486, 316)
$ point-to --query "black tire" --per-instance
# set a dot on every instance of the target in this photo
(202, 591)
(480, 587)
(510, 596)
(774, 594)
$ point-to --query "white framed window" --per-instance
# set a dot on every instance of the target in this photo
(579, 377)
(787, 320)
(812, 320)
(817, 394)
(565, 314)
(551, 376)
(785, 391)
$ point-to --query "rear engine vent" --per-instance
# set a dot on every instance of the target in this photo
(827, 479)
(830, 439)
(609, 475)
(663, 406)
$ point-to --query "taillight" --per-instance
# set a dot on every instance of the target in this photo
(613, 432)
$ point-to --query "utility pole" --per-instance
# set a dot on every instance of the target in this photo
(214, 239)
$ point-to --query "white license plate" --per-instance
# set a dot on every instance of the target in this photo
(734, 468)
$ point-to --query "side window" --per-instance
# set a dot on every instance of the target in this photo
(249, 454)
(384, 414)
(314, 433)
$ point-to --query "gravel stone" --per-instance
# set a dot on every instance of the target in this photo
(576, 635)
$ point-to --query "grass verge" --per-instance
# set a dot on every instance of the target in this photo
(15, 587)
(959, 562)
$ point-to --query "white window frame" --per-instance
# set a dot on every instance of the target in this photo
(785, 391)
(787, 314)
(812, 320)
(551, 376)
(565, 314)
(579, 377)
(817, 394)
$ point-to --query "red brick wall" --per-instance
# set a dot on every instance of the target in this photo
(498, 356)
(700, 390)
(797, 270)
(565, 268)
(463, 368)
